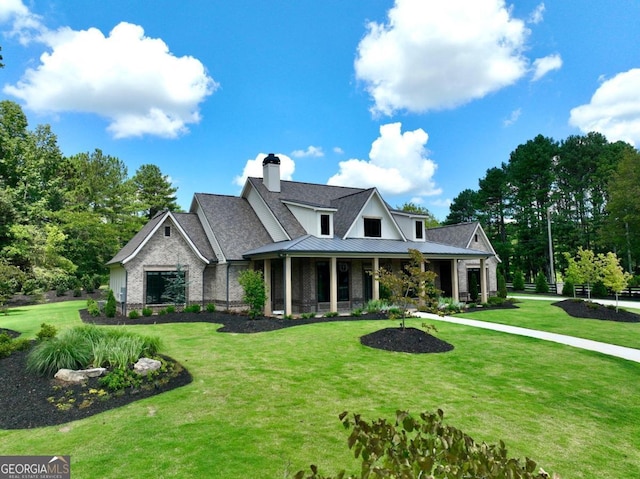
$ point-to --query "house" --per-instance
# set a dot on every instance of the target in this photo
(316, 245)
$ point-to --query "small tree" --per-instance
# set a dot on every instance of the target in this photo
(255, 293)
(541, 283)
(502, 286)
(110, 305)
(587, 266)
(571, 275)
(613, 275)
(409, 287)
(518, 281)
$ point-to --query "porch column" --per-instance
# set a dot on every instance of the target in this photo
(287, 286)
(376, 284)
(455, 282)
(268, 307)
(333, 281)
(483, 281)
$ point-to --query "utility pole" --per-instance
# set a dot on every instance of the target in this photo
(552, 272)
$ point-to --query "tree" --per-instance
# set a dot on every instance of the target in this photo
(1, 64)
(518, 281)
(613, 276)
(154, 191)
(541, 283)
(464, 208)
(587, 267)
(411, 286)
(430, 222)
(255, 293)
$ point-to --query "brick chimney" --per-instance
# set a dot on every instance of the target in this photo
(271, 172)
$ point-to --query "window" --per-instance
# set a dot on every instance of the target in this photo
(159, 287)
(475, 238)
(324, 280)
(325, 225)
(167, 230)
(419, 225)
(373, 227)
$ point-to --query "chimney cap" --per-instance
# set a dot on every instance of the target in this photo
(271, 159)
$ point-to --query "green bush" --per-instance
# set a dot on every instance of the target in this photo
(87, 283)
(255, 294)
(541, 283)
(121, 378)
(568, 289)
(376, 305)
(192, 308)
(47, 331)
(599, 290)
(427, 448)
(502, 286)
(146, 312)
(69, 350)
(110, 306)
(518, 281)
(496, 301)
(133, 314)
(170, 309)
(92, 307)
(211, 308)
(330, 314)
(357, 312)
(307, 315)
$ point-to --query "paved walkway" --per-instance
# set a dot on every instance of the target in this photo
(604, 348)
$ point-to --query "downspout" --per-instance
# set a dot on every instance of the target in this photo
(228, 281)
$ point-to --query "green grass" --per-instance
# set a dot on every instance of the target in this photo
(539, 314)
(266, 405)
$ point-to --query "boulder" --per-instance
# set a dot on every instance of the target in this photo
(144, 365)
(78, 376)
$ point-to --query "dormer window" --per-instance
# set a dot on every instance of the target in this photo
(419, 229)
(372, 227)
(325, 225)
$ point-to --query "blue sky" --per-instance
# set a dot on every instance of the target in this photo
(416, 97)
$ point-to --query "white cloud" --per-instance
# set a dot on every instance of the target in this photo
(313, 151)
(397, 164)
(515, 114)
(542, 66)
(614, 109)
(337, 150)
(436, 55)
(253, 168)
(26, 26)
(537, 15)
(132, 80)
(442, 203)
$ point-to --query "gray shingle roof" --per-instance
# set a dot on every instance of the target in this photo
(312, 245)
(458, 235)
(187, 221)
(310, 193)
(234, 223)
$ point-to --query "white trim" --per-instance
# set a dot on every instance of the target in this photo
(155, 230)
(246, 194)
(386, 209)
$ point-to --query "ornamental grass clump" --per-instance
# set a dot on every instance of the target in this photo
(70, 350)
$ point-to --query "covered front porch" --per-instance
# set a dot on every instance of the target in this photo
(303, 283)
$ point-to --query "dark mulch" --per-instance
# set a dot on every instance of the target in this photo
(407, 340)
(590, 310)
(30, 401)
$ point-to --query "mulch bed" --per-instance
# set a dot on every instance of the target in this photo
(409, 340)
(589, 310)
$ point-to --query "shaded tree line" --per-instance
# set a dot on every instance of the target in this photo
(584, 189)
(63, 217)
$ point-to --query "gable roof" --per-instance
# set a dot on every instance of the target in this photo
(460, 235)
(187, 224)
(312, 194)
(234, 223)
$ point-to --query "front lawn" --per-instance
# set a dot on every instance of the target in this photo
(267, 404)
(541, 315)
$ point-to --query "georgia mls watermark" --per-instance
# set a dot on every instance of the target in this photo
(35, 467)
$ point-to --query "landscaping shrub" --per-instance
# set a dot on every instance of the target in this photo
(146, 312)
(541, 283)
(192, 308)
(88, 284)
(376, 305)
(110, 306)
(170, 309)
(426, 448)
(121, 378)
(568, 289)
(449, 305)
(133, 314)
(330, 314)
(502, 286)
(357, 312)
(47, 331)
(599, 290)
(211, 308)
(518, 281)
(255, 294)
(496, 301)
(92, 307)
(69, 350)
(308, 315)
